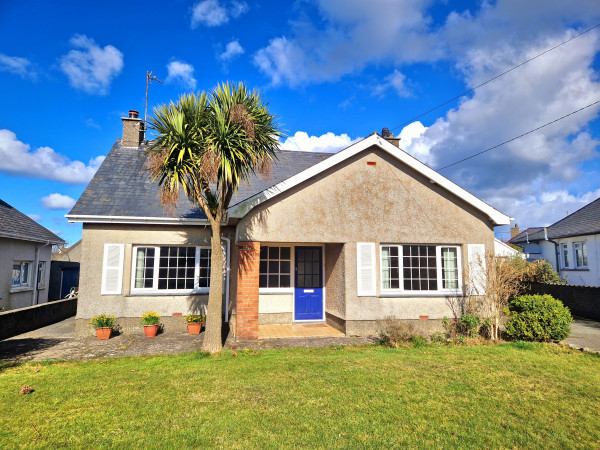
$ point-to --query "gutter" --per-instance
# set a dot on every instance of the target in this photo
(139, 220)
(228, 270)
(556, 249)
(37, 272)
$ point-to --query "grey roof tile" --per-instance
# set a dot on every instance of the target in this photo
(16, 225)
(123, 187)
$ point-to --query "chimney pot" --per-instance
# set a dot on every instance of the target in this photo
(389, 136)
(133, 114)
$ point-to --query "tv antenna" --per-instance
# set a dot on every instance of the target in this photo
(149, 79)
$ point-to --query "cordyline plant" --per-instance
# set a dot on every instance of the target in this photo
(493, 282)
(207, 145)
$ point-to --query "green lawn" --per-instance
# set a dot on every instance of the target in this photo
(509, 395)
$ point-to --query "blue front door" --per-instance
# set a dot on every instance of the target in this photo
(308, 289)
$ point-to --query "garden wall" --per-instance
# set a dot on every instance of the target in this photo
(22, 320)
(583, 301)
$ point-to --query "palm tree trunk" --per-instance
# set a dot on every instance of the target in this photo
(214, 320)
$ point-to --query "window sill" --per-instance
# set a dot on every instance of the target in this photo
(164, 294)
(274, 291)
(20, 289)
(581, 269)
(404, 294)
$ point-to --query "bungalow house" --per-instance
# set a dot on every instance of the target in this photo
(571, 245)
(25, 251)
(346, 239)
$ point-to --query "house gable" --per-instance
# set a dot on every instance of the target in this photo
(242, 208)
(371, 197)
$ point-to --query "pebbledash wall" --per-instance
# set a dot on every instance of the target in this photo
(19, 250)
(383, 202)
(128, 307)
(353, 202)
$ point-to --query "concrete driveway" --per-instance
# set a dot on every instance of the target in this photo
(585, 333)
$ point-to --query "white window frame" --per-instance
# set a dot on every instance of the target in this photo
(154, 289)
(581, 244)
(565, 255)
(287, 290)
(438, 261)
(28, 284)
(41, 274)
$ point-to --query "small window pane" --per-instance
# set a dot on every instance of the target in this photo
(273, 252)
(263, 281)
(285, 252)
(284, 267)
(274, 281)
(16, 275)
(284, 281)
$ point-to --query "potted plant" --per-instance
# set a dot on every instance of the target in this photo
(194, 323)
(151, 322)
(104, 325)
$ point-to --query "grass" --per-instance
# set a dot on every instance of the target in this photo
(510, 395)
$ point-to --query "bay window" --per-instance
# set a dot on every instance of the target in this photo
(416, 268)
(174, 269)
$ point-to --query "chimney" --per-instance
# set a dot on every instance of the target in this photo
(388, 136)
(514, 231)
(133, 130)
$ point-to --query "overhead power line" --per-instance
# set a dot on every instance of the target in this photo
(520, 136)
(494, 78)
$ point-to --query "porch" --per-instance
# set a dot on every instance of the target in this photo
(297, 330)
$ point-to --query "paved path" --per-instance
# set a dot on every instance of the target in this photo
(585, 333)
(58, 341)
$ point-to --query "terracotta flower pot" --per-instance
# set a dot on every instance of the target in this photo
(103, 333)
(194, 327)
(151, 330)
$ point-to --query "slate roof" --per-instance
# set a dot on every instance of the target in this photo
(582, 222)
(123, 187)
(16, 225)
(531, 234)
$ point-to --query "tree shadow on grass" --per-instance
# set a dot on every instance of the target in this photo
(14, 350)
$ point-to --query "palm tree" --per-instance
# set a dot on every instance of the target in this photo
(207, 145)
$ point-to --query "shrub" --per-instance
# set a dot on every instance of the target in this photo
(195, 318)
(150, 318)
(538, 318)
(395, 332)
(103, 321)
(469, 325)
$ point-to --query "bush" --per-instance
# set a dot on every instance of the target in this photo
(538, 318)
(469, 325)
(394, 333)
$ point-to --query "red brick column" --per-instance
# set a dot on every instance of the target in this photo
(246, 319)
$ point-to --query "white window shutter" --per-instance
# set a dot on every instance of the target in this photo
(366, 269)
(112, 269)
(477, 269)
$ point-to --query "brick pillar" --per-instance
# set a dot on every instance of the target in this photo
(246, 318)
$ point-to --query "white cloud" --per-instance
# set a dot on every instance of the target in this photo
(328, 142)
(396, 81)
(354, 33)
(35, 217)
(91, 68)
(17, 65)
(212, 13)
(181, 73)
(58, 201)
(232, 49)
(16, 158)
(91, 123)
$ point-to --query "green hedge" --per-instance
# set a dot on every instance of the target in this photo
(538, 318)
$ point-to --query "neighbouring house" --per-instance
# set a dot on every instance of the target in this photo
(571, 245)
(25, 250)
(503, 250)
(64, 271)
(349, 239)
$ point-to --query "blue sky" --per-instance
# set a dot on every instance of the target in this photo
(333, 71)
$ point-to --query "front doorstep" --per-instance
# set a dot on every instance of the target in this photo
(297, 330)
